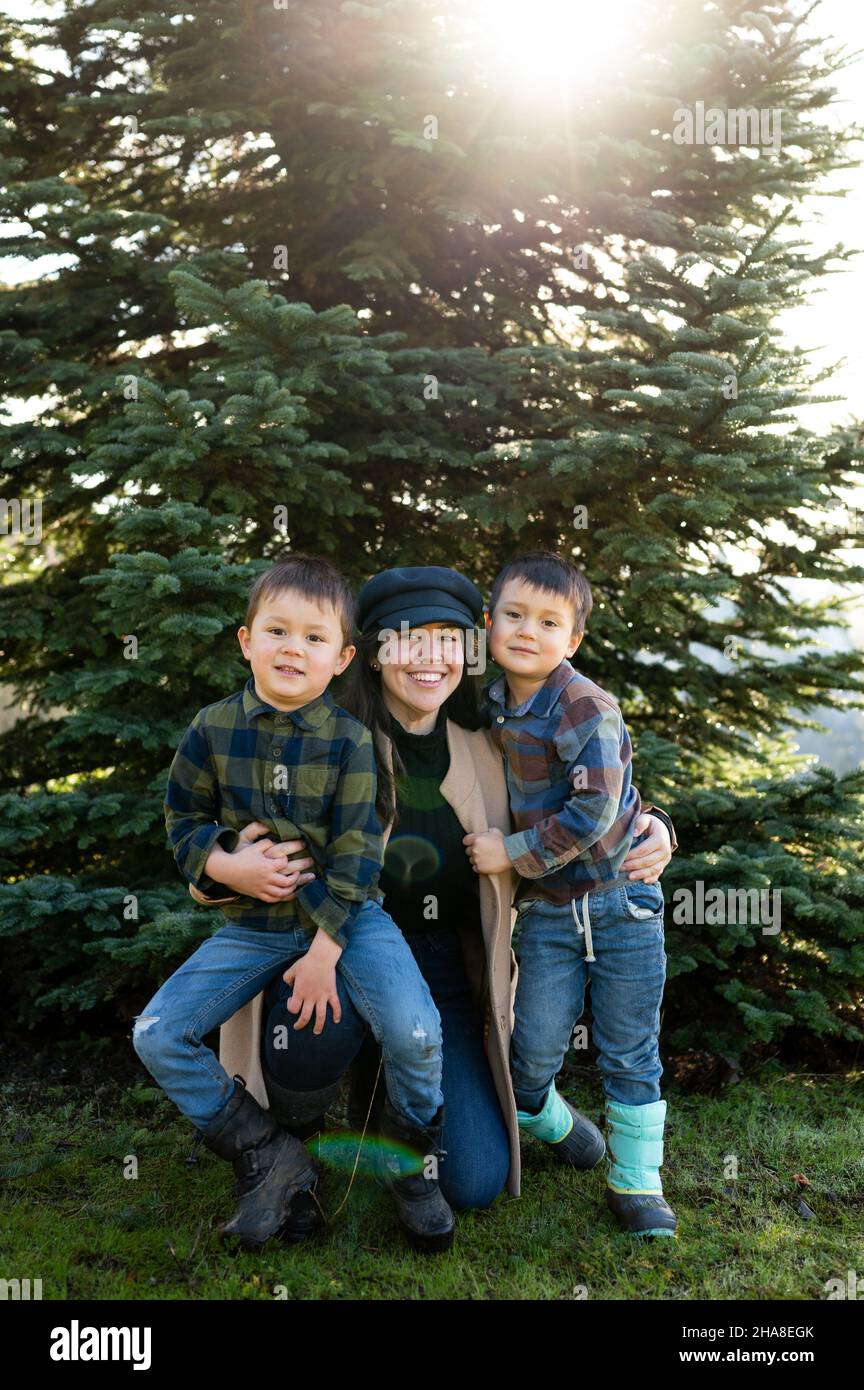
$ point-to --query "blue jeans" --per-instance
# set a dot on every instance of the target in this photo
(475, 1138)
(379, 974)
(627, 979)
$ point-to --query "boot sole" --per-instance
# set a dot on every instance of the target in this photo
(582, 1167)
(423, 1244)
(236, 1242)
(427, 1244)
(641, 1232)
(282, 1235)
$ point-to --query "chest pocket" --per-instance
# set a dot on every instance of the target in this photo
(306, 793)
(530, 768)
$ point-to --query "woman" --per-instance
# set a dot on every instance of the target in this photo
(412, 687)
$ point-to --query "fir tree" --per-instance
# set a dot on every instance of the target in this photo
(327, 285)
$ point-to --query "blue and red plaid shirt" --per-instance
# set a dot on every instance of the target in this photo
(567, 756)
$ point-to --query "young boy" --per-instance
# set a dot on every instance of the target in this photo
(280, 756)
(567, 755)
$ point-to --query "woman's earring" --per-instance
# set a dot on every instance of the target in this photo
(375, 666)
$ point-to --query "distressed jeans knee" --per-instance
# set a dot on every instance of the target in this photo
(143, 1022)
(146, 1036)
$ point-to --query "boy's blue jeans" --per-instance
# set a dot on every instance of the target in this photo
(232, 966)
(475, 1134)
(627, 979)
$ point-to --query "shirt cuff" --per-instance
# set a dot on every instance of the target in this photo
(199, 850)
(666, 819)
(327, 912)
(207, 901)
(524, 858)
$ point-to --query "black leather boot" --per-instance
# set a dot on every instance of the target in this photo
(422, 1212)
(269, 1163)
(303, 1113)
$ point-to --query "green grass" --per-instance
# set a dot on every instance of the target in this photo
(70, 1217)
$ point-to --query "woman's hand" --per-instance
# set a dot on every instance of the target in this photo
(648, 860)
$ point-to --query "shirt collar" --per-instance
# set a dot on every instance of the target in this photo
(543, 701)
(310, 716)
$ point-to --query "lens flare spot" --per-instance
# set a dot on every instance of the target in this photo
(339, 1150)
(411, 859)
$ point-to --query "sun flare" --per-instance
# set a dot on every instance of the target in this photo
(557, 45)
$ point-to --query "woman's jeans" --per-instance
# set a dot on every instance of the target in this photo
(475, 1139)
(376, 972)
(627, 979)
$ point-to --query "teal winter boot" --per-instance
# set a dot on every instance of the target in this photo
(571, 1137)
(633, 1188)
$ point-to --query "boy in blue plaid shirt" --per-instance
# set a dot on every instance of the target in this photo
(280, 759)
(567, 755)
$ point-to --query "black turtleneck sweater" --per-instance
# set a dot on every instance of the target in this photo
(427, 879)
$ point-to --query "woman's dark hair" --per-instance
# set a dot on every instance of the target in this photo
(363, 696)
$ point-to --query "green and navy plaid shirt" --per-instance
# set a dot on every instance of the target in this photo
(307, 773)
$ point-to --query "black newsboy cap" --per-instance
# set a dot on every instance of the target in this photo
(416, 594)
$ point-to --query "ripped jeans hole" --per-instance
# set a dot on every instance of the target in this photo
(142, 1023)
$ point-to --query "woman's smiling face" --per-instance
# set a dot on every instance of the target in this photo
(420, 669)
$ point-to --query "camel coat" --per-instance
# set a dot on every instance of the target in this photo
(476, 789)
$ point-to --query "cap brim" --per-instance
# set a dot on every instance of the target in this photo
(427, 613)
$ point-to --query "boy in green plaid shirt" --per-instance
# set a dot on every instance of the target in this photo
(280, 759)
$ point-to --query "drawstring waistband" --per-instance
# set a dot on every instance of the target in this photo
(584, 925)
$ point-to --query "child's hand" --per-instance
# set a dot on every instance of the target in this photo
(313, 982)
(276, 883)
(288, 865)
(486, 852)
(253, 872)
(284, 852)
(249, 834)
